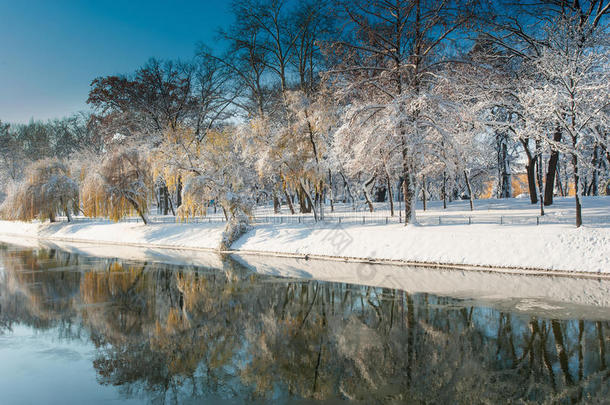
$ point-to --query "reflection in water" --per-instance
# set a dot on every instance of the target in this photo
(167, 333)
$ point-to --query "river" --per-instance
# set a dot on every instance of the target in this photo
(78, 328)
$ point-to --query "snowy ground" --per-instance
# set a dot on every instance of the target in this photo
(197, 236)
(518, 211)
(558, 246)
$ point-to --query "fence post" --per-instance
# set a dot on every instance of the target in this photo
(400, 217)
(469, 220)
(339, 219)
(363, 220)
(386, 220)
(501, 220)
(439, 220)
(537, 220)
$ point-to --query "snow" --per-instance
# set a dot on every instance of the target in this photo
(550, 247)
(596, 212)
(189, 235)
(559, 247)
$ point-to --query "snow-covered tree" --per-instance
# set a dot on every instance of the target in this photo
(46, 192)
(389, 62)
(12, 159)
(120, 185)
(574, 93)
(214, 171)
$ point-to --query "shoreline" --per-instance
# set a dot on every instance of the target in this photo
(45, 232)
(537, 293)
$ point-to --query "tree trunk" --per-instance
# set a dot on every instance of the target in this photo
(138, 210)
(469, 191)
(320, 199)
(594, 163)
(66, 210)
(576, 185)
(179, 192)
(574, 136)
(365, 190)
(560, 187)
(330, 191)
(390, 194)
(289, 201)
(444, 190)
(552, 169)
(171, 205)
(304, 207)
(504, 186)
(276, 203)
(408, 195)
(539, 175)
(166, 200)
(531, 181)
(309, 200)
(423, 191)
(531, 172)
(349, 191)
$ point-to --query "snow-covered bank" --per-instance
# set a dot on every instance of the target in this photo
(550, 247)
(192, 236)
(556, 247)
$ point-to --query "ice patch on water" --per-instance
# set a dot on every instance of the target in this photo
(530, 304)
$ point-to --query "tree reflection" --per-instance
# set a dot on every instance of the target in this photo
(174, 332)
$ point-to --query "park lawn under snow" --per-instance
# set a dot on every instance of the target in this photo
(548, 246)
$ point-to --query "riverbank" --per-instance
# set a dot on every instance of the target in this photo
(557, 249)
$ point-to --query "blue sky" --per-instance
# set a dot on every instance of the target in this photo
(50, 50)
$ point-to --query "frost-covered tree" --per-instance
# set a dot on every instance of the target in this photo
(46, 192)
(12, 158)
(218, 171)
(389, 60)
(118, 186)
(575, 92)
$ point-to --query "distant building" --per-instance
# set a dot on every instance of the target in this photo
(518, 185)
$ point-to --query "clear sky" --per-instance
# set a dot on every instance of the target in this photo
(50, 50)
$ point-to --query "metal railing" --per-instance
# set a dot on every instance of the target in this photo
(371, 219)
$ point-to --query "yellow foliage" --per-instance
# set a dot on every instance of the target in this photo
(46, 192)
(121, 186)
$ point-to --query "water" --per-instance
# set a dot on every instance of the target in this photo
(80, 329)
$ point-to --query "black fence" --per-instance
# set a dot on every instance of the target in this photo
(375, 219)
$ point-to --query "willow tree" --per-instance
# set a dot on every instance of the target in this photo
(221, 172)
(120, 186)
(46, 191)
